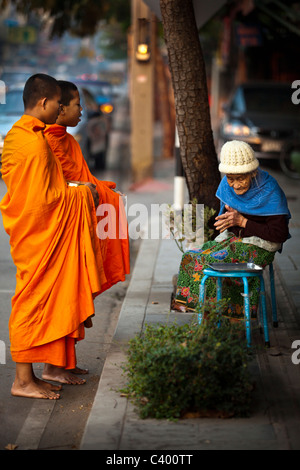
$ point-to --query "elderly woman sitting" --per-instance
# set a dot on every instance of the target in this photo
(253, 224)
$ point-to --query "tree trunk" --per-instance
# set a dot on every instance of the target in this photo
(193, 120)
(165, 107)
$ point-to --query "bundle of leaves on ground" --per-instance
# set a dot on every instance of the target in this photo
(173, 370)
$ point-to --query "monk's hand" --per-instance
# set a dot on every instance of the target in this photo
(94, 192)
(231, 218)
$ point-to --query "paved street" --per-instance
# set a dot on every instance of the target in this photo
(114, 425)
(46, 424)
(94, 415)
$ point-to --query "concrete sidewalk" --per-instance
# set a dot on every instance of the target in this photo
(274, 424)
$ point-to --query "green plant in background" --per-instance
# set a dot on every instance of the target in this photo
(173, 369)
(189, 228)
(209, 213)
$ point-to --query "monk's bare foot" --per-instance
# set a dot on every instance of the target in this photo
(34, 389)
(58, 374)
(47, 385)
(79, 371)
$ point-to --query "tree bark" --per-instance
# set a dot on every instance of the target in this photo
(193, 120)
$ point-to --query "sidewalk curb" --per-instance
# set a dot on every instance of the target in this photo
(151, 280)
(104, 426)
(113, 423)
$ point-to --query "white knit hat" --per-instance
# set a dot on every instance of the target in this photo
(237, 157)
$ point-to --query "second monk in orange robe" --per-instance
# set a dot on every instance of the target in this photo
(115, 248)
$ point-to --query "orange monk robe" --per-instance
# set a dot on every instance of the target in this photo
(53, 245)
(115, 250)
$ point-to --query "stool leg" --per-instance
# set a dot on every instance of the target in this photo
(273, 296)
(247, 311)
(219, 289)
(201, 298)
(264, 311)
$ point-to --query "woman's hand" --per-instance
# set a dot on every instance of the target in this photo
(231, 218)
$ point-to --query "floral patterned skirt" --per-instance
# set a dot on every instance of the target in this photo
(228, 251)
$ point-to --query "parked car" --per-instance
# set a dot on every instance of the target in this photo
(10, 112)
(92, 132)
(264, 115)
(13, 76)
(102, 90)
(103, 94)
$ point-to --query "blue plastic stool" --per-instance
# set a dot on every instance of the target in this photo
(244, 275)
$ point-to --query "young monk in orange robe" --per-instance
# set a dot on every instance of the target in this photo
(114, 248)
(53, 245)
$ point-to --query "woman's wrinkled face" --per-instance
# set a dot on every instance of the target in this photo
(240, 182)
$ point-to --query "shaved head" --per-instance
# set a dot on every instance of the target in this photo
(37, 87)
(67, 91)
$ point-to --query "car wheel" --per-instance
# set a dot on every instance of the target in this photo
(290, 161)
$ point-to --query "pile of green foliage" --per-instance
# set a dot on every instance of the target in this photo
(174, 369)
